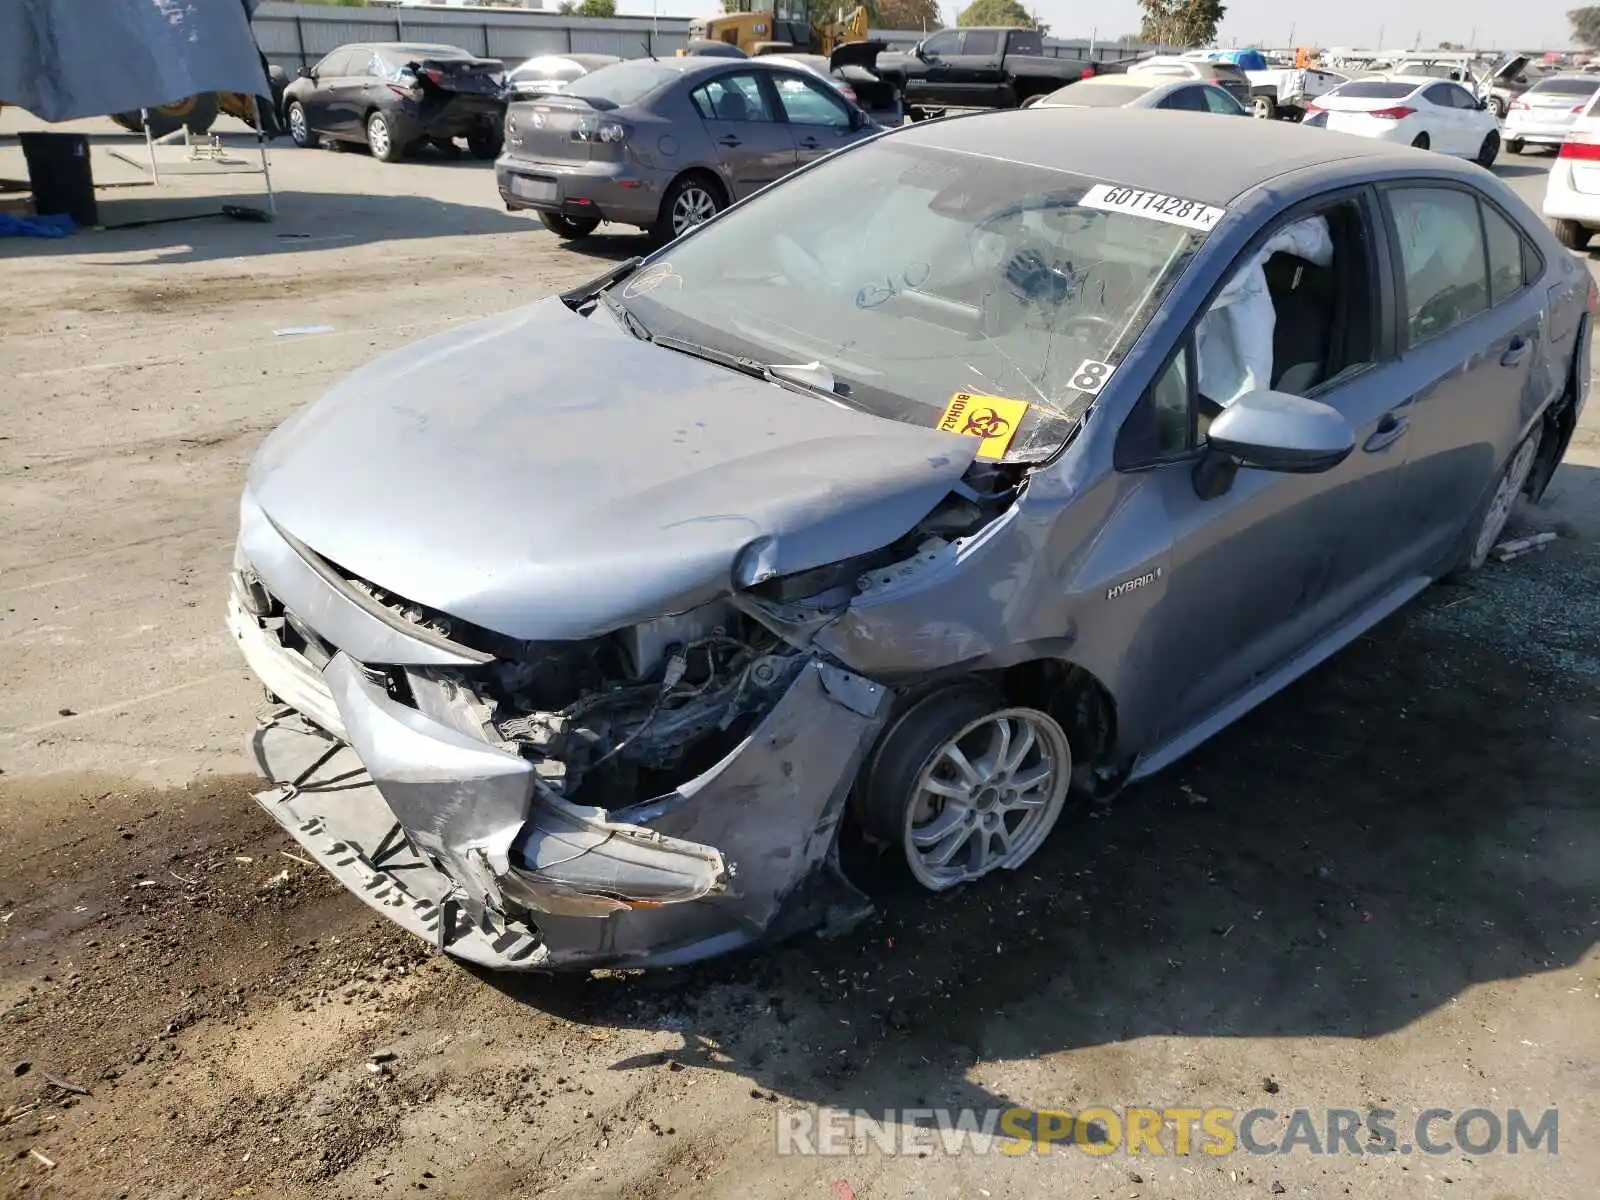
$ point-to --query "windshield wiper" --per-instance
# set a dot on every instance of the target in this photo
(629, 321)
(813, 378)
(585, 292)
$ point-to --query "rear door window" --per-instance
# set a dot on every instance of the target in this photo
(1507, 274)
(1218, 101)
(1443, 259)
(735, 97)
(943, 42)
(985, 42)
(1185, 99)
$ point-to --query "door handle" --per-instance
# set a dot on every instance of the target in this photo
(809, 143)
(1389, 431)
(728, 140)
(1516, 351)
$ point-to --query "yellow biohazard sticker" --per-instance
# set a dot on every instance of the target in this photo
(994, 419)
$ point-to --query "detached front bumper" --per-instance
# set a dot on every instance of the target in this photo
(454, 839)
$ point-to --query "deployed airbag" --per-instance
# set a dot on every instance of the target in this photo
(1234, 338)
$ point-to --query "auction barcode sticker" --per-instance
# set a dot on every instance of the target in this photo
(1158, 206)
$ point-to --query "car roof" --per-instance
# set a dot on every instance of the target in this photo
(705, 64)
(1193, 154)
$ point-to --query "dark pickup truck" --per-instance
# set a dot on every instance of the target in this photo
(982, 67)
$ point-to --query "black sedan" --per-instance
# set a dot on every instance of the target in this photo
(396, 97)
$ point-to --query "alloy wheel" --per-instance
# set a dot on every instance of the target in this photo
(378, 137)
(298, 132)
(1504, 500)
(694, 206)
(987, 798)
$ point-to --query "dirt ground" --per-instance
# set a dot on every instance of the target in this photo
(1381, 890)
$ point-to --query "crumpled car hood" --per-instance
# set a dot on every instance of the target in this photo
(548, 476)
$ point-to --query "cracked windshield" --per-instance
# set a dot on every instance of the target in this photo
(964, 274)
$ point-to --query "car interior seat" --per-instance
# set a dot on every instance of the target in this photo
(732, 106)
(1304, 299)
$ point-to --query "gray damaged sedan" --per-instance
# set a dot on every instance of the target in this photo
(595, 623)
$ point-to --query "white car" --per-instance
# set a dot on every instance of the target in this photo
(1137, 91)
(1542, 115)
(1413, 110)
(552, 72)
(1572, 189)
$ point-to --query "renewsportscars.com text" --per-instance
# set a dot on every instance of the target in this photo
(1175, 1131)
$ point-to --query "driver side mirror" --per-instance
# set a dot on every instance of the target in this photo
(306, 73)
(1483, 105)
(920, 52)
(1271, 431)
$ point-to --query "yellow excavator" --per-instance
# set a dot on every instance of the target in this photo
(782, 29)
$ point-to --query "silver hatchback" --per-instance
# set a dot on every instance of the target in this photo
(667, 144)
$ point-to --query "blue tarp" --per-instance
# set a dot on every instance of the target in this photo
(63, 59)
(53, 226)
(1245, 60)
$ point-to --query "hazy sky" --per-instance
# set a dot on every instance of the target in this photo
(1528, 24)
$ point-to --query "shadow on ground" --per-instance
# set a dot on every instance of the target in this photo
(1415, 817)
(174, 228)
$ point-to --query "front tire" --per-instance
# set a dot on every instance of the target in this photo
(1514, 145)
(381, 140)
(1498, 107)
(300, 126)
(965, 784)
(1264, 108)
(691, 201)
(1573, 235)
(1489, 151)
(567, 227)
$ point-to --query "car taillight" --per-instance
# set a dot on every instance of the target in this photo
(1578, 108)
(1519, 104)
(1398, 113)
(592, 129)
(1088, 73)
(435, 74)
(414, 92)
(1312, 110)
(1580, 148)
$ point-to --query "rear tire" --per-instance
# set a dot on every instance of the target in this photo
(1489, 151)
(1573, 235)
(1421, 141)
(691, 200)
(1489, 521)
(1514, 145)
(381, 141)
(569, 228)
(484, 144)
(1264, 108)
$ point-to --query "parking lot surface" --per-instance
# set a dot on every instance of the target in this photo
(1380, 891)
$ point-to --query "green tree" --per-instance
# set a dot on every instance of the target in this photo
(998, 12)
(908, 14)
(1181, 22)
(1585, 25)
(597, 8)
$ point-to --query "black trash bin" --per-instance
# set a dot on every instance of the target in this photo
(58, 168)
